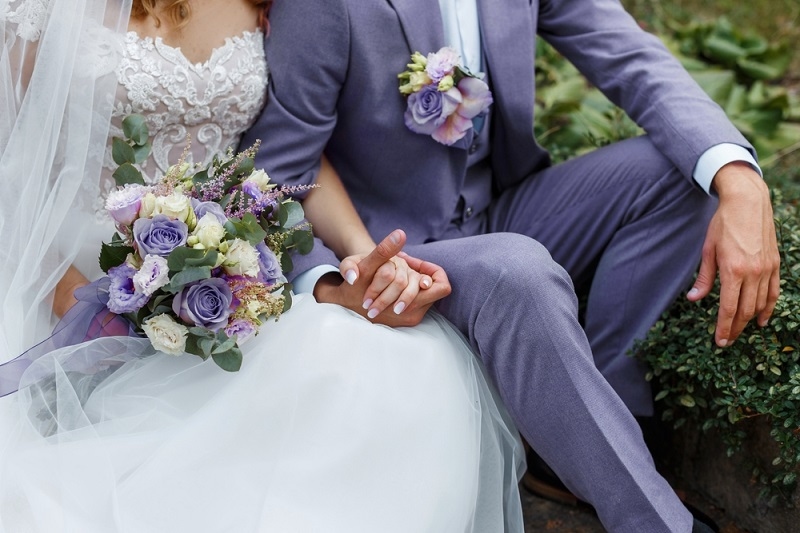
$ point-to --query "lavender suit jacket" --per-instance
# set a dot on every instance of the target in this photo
(334, 88)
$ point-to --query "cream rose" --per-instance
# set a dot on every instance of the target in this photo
(241, 259)
(165, 334)
(148, 207)
(209, 231)
(176, 206)
(260, 179)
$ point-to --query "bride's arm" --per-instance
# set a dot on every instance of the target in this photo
(335, 220)
(63, 298)
(377, 277)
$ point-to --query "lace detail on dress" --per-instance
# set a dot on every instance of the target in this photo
(214, 101)
(28, 15)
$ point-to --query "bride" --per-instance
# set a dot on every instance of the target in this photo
(333, 423)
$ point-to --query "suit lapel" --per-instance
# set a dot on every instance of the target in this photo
(422, 24)
(508, 35)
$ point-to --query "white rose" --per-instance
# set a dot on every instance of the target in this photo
(165, 334)
(209, 231)
(176, 206)
(148, 207)
(260, 179)
(241, 259)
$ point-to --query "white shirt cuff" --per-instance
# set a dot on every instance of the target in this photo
(717, 157)
(306, 281)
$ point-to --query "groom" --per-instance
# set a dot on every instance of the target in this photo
(517, 237)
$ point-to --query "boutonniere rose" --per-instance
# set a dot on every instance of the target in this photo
(443, 97)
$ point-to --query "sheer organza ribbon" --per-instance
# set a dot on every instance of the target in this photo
(87, 320)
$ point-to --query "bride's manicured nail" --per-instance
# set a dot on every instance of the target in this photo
(694, 291)
(350, 276)
(426, 283)
(399, 308)
(367, 303)
(394, 237)
(372, 313)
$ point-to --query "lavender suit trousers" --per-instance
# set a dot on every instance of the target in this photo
(626, 227)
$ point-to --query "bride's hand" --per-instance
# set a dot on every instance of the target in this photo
(395, 284)
(387, 257)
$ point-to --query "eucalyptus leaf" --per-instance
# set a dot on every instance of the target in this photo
(134, 127)
(122, 152)
(230, 361)
(126, 174)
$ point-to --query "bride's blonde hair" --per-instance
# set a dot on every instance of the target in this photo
(178, 11)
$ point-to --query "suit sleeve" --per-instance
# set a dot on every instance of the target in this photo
(636, 72)
(307, 56)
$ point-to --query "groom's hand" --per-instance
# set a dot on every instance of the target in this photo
(742, 246)
(387, 286)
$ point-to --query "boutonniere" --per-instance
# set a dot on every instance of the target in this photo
(443, 97)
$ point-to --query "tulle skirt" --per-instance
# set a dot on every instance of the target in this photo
(333, 424)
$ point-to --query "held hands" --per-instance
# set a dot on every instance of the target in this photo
(387, 286)
(741, 245)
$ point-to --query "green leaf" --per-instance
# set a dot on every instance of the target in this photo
(140, 153)
(294, 213)
(183, 257)
(230, 361)
(122, 152)
(134, 127)
(303, 241)
(127, 173)
(113, 255)
(186, 276)
(224, 343)
(286, 263)
(206, 345)
(193, 346)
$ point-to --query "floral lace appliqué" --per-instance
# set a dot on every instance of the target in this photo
(28, 15)
(213, 102)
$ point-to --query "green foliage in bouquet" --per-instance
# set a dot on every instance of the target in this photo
(757, 377)
(198, 260)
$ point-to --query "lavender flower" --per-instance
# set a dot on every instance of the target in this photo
(441, 63)
(122, 295)
(159, 235)
(153, 275)
(123, 204)
(243, 329)
(269, 266)
(202, 208)
(205, 304)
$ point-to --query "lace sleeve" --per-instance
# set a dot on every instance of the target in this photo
(25, 18)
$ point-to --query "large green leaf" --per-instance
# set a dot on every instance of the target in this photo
(113, 255)
(134, 127)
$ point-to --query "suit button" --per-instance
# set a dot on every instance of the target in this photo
(468, 212)
(473, 148)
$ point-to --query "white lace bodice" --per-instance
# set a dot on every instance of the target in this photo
(213, 102)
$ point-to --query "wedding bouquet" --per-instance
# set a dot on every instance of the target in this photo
(197, 261)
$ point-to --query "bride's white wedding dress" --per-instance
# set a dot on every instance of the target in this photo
(332, 424)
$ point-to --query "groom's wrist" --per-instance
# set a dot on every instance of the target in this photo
(325, 290)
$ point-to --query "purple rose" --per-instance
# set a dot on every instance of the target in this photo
(206, 304)
(201, 208)
(243, 329)
(269, 266)
(122, 296)
(251, 189)
(429, 108)
(159, 235)
(441, 63)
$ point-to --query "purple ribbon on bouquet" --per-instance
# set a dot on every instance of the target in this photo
(86, 320)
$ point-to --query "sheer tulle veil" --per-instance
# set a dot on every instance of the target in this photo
(56, 84)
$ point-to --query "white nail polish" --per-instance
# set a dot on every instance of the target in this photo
(399, 308)
(723, 343)
(350, 276)
(372, 313)
(367, 303)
